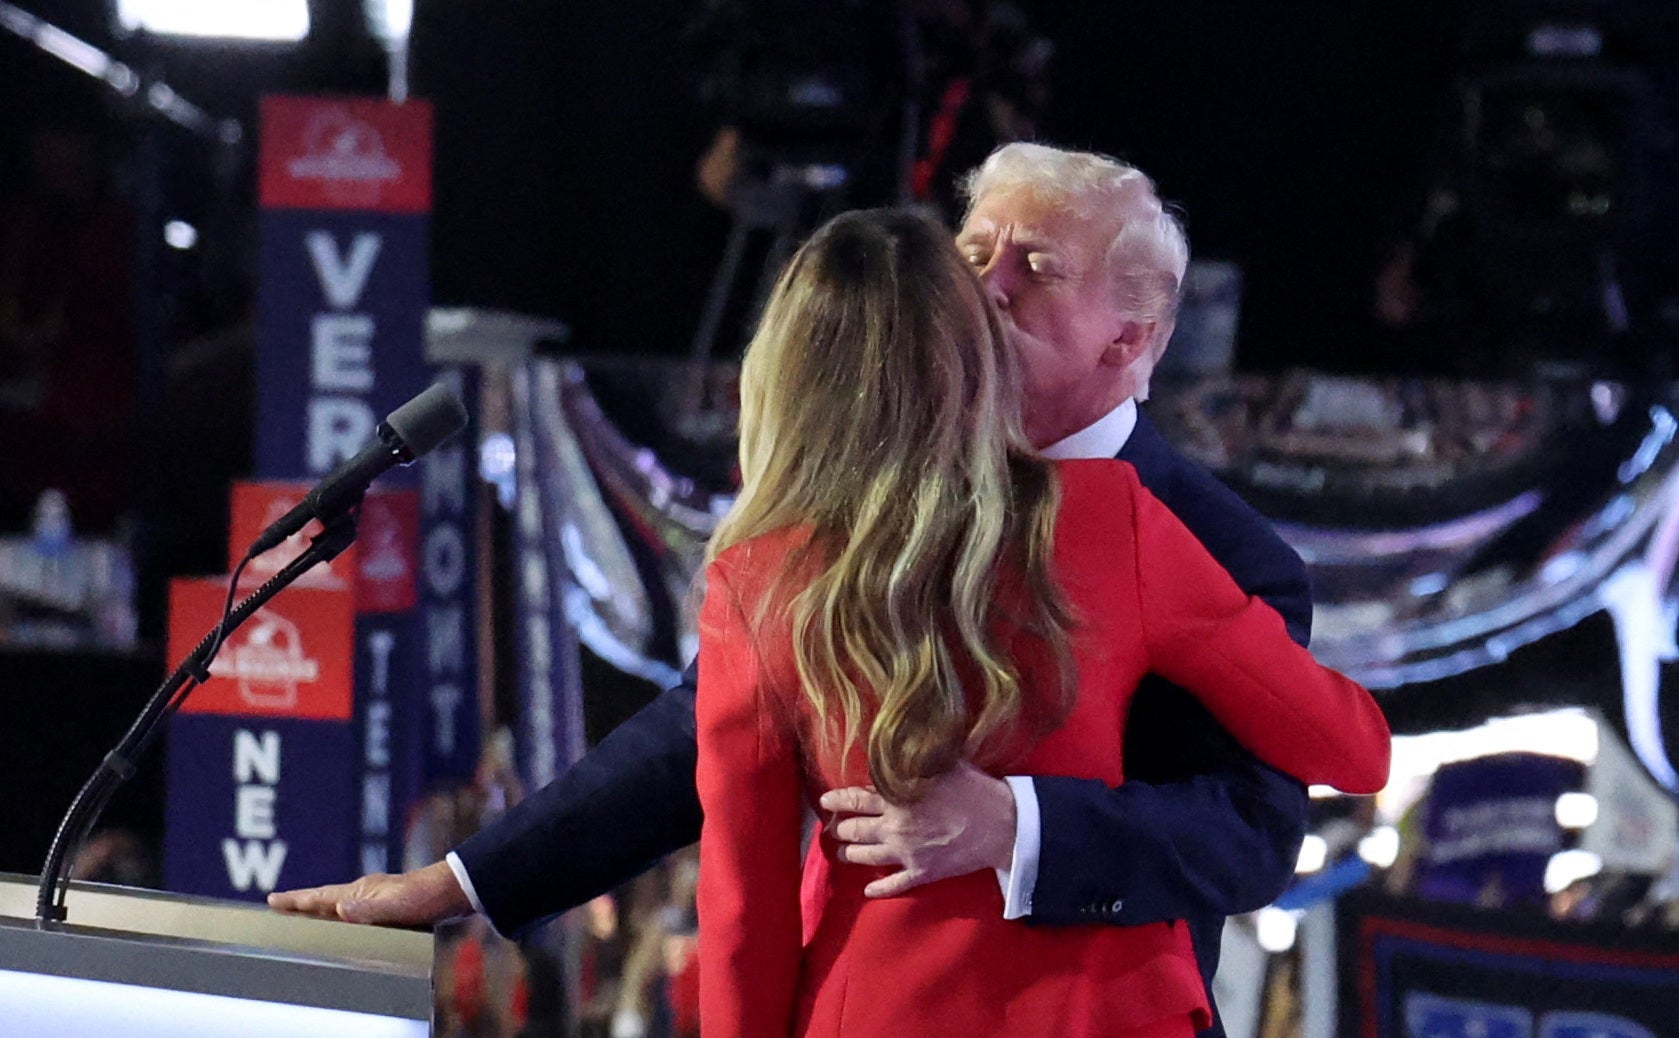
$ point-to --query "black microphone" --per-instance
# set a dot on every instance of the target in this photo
(411, 431)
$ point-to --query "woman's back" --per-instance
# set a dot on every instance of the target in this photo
(942, 959)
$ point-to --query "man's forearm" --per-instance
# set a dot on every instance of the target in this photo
(629, 802)
(1211, 845)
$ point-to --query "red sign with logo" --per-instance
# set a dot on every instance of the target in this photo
(388, 552)
(255, 505)
(292, 659)
(382, 562)
(345, 153)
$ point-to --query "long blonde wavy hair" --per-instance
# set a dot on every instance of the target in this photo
(880, 408)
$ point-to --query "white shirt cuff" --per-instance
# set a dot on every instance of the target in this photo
(1021, 876)
(459, 869)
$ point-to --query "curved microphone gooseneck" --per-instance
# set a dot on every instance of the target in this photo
(411, 431)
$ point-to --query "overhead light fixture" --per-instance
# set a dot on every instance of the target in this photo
(277, 21)
(85, 57)
(389, 20)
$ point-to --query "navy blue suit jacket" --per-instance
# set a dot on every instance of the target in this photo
(1200, 829)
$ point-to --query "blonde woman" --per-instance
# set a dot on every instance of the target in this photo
(904, 585)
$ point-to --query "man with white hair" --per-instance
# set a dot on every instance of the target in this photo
(1084, 264)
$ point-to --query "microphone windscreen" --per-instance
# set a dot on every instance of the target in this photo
(428, 419)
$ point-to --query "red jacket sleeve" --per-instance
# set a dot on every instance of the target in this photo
(750, 787)
(1232, 652)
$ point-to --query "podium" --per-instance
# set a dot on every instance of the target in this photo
(143, 963)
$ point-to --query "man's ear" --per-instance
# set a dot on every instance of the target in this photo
(1133, 342)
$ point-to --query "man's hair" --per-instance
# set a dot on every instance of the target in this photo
(1149, 253)
(880, 410)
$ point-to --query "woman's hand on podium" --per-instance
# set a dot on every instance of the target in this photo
(422, 897)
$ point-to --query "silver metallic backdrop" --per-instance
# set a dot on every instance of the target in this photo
(1446, 524)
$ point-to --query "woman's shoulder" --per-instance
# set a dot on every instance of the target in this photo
(1101, 478)
(1099, 503)
(760, 577)
(762, 553)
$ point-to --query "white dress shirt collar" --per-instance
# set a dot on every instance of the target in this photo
(1100, 439)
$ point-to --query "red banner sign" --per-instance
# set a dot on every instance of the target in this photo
(345, 153)
(389, 549)
(292, 659)
(382, 562)
(255, 505)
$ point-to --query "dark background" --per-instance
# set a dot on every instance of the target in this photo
(1294, 137)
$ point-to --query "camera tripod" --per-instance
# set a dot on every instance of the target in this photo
(772, 211)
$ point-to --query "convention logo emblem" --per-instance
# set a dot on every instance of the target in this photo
(344, 156)
(267, 659)
(385, 558)
(386, 571)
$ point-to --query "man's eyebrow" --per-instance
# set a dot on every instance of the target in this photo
(1032, 239)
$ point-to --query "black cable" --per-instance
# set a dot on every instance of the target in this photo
(219, 633)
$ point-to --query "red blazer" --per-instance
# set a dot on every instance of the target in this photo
(941, 960)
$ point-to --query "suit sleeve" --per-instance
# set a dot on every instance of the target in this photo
(1233, 653)
(629, 802)
(750, 785)
(1201, 828)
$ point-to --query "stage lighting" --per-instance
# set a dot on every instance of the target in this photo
(389, 20)
(1381, 847)
(178, 234)
(277, 21)
(1275, 928)
(1568, 867)
(1314, 853)
(1576, 810)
